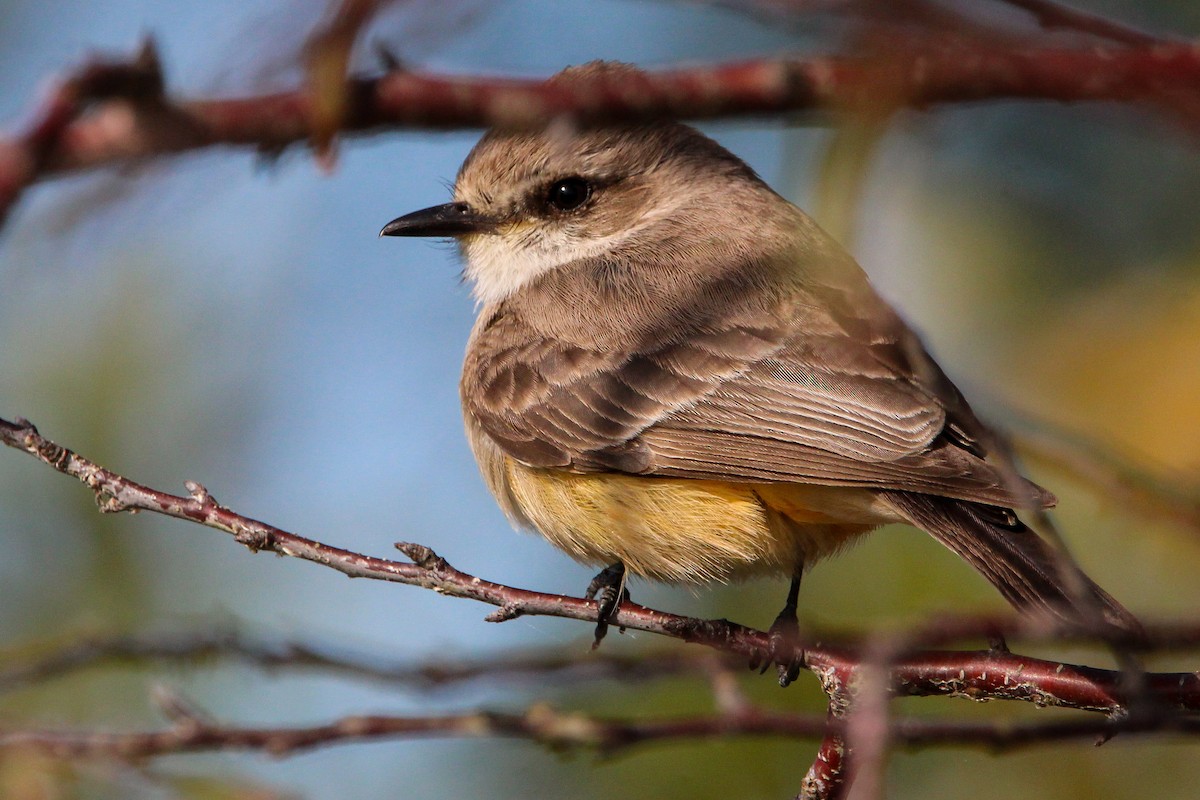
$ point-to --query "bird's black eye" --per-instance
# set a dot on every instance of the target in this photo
(569, 193)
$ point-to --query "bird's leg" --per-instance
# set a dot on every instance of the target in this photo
(783, 649)
(608, 590)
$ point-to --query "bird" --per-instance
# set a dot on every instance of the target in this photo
(676, 373)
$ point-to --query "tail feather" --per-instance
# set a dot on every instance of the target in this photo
(1018, 562)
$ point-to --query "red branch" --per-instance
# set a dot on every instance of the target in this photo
(828, 777)
(919, 78)
(24, 158)
(122, 125)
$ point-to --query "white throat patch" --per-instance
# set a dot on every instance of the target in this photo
(500, 263)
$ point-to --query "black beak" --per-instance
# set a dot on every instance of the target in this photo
(451, 219)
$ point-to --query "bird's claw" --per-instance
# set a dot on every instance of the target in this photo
(608, 590)
(783, 648)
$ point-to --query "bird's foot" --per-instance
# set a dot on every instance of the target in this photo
(783, 648)
(608, 590)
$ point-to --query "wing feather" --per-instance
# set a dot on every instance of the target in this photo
(828, 388)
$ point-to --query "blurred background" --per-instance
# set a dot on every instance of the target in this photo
(216, 318)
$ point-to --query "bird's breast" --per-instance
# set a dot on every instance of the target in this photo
(675, 529)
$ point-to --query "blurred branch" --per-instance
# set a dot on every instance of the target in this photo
(120, 84)
(132, 119)
(192, 648)
(867, 737)
(1111, 476)
(1051, 15)
(193, 732)
(961, 19)
(893, 664)
(328, 55)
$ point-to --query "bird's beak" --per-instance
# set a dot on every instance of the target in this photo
(451, 219)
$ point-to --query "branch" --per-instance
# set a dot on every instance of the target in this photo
(1109, 475)
(937, 75)
(976, 675)
(18, 671)
(921, 74)
(115, 493)
(122, 84)
(1051, 15)
(193, 732)
(894, 663)
(328, 54)
(828, 777)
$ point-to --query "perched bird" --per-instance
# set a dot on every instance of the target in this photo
(677, 373)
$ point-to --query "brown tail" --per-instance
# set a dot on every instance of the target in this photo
(1030, 575)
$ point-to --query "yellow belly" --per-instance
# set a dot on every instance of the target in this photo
(686, 531)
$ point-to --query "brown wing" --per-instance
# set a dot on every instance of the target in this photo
(552, 404)
(830, 390)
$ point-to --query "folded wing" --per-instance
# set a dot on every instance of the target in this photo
(834, 390)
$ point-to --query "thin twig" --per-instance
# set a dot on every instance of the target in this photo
(557, 730)
(19, 671)
(115, 493)
(1051, 15)
(1119, 480)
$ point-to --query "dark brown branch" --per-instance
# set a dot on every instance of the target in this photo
(1110, 476)
(1052, 16)
(20, 671)
(192, 733)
